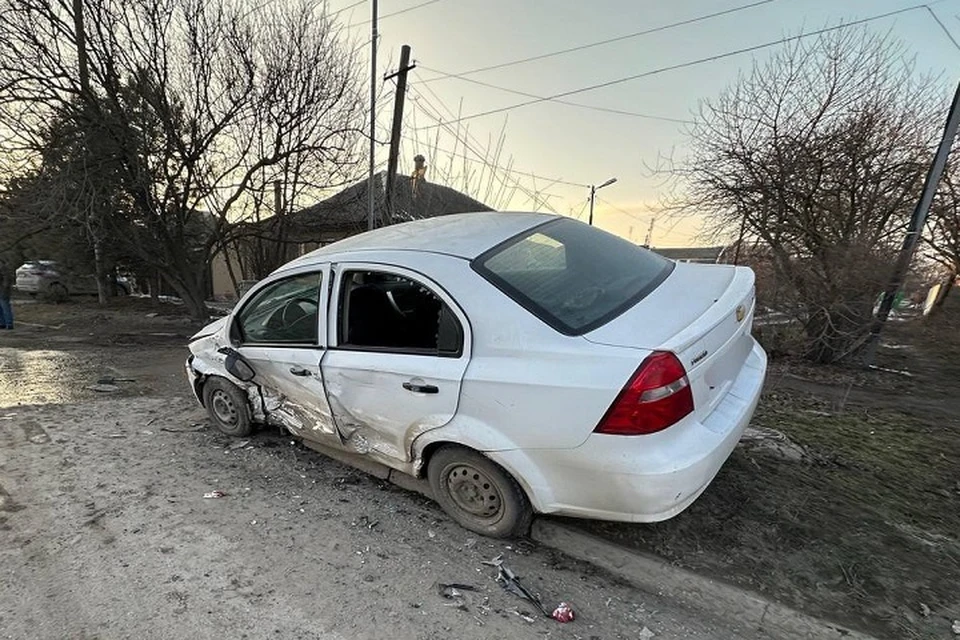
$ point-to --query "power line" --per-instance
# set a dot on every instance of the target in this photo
(691, 63)
(623, 211)
(534, 194)
(942, 26)
(566, 102)
(450, 111)
(347, 8)
(603, 42)
(526, 174)
(583, 208)
(395, 13)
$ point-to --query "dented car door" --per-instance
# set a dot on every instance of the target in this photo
(281, 333)
(399, 347)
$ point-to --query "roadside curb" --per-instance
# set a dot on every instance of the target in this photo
(690, 590)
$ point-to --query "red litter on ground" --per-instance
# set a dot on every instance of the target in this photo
(563, 613)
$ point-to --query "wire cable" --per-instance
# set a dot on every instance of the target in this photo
(685, 65)
(566, 102)
(604, 42)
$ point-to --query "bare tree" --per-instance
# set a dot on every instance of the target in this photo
(817, 156)
(204, 102)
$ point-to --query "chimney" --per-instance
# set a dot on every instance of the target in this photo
(419, 173)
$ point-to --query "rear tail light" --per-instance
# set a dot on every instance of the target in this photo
(656, 397)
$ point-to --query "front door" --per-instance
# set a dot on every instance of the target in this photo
(399, 347)
(281, 332)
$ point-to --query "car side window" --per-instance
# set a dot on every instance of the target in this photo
(284, 312)
(389, 312)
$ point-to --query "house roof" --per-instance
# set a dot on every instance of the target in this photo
(692, 254)
(347, 210)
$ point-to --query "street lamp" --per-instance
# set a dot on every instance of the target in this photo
(593, 191)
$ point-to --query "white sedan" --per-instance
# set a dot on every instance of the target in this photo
(521, 362)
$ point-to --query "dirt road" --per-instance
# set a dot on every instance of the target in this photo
(105, 531)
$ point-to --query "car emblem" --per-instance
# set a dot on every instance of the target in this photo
(741, 313)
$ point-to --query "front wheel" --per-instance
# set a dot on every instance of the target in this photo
(227, 406)
(478, 493)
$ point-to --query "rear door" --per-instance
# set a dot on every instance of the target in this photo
(399, 347)
(281, 332)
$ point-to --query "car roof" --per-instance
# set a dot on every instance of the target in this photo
(464, 235)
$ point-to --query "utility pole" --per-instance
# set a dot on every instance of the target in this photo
(649, 238)
(401, 76)
(278, 197)
(593, 193)
(81, 48)
(371, 192)
(915, 229)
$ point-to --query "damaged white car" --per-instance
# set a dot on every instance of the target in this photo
(522, 363)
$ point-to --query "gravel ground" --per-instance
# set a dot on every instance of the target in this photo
(105, 531)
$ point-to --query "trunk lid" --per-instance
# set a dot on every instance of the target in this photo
(703, 314)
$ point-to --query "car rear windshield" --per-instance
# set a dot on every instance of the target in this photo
(573, 276)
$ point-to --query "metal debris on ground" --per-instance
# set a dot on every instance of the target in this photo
(522, 614)
(510, 582)
(214, 494)
(104, 388)
(114, 381)
(924, 610)
(192, 429)
(237, 445)
(453, 590)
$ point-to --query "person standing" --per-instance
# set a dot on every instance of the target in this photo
(7, 276)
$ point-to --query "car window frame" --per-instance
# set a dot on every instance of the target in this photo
(334, 321)
(237, 337)
(535, 309)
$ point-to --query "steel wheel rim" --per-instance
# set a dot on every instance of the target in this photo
(473, 491)
(223, 407)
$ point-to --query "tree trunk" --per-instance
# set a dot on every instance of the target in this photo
(100, 272)
(192, 295)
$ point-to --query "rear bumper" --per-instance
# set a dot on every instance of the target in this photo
(643, 478)
(28, 284)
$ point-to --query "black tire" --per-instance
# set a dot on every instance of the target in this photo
(57, 293)
(227, 406)
(478, 493)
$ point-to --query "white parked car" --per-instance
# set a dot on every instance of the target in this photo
(521, 362)
(49, 277)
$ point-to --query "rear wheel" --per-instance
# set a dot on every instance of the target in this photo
(57, 292)
(227, 406)
(478, 493)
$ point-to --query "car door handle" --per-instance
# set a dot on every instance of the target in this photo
(303, 373)
(421, 388)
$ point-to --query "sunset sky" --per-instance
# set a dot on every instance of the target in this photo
(583, 146)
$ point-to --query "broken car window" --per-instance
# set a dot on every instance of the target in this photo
(386, 311)
(284, 312)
